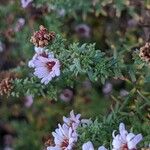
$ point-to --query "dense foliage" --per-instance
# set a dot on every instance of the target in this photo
(103, 50)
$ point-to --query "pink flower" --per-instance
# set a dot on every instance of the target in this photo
(45, 65)
(46, 68)
(66, 95)
(39, 52)
(28, 101)
(64, 138)
(25, 3)
(20, 23)
(72, 121)
(107, 88)
(125, 140)
(83, 30)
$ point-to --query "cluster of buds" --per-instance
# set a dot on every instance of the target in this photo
(42, 37)
(145, 52)
(6, 86)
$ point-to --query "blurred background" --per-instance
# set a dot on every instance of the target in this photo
(117, 27)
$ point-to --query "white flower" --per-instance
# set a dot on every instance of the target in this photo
(123, 93)
(45, 65)
(46, 68)
(89, 146)
(28, 101)
(20, 23)
(25, 3)
(107, 88)
(64, 138)
(73, 121)
(125, 140)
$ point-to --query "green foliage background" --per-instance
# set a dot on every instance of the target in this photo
(111, 54)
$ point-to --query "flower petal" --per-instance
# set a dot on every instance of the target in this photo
(88, 146)
(102, 148)
(134, 141)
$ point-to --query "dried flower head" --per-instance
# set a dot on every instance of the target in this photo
(42, 37)
(47, 140)
(6, 86)
(8, 74)
(145, 52)
(9, 34)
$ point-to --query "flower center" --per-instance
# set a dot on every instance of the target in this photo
(82, 30)
(64, 144)
(124, 147)
(67, 95)
(50, 65)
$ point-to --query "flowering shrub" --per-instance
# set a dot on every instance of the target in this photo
(89, 56)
